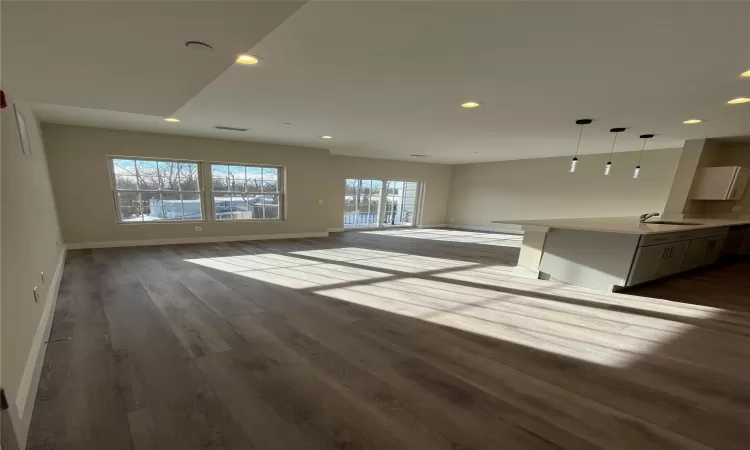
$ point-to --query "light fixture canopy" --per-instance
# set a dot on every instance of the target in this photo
(574, 161)
(637, 170)
(739, 100)
(608, 166)
(247, 59)
(172, 119)
(470, 105)
(326, 137)
(692, 121)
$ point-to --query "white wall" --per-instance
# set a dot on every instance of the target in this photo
(80, 177)
(30, 237)
(543, 188)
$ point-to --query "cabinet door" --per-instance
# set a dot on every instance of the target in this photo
(713, 249)
(646, 263)
(673, 257)
(695, 254)
(739, 184)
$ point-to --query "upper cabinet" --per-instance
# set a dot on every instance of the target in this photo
(721, 183)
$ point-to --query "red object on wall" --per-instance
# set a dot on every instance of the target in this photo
(3, 103)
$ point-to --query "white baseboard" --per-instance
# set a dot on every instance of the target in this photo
(192, 240)
(437, 225)
(336, 230)
(489, 229)
(24, 401)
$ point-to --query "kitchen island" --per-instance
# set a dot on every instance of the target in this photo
(615, 252)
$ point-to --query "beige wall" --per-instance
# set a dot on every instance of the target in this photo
(78, 160)
(80, 177)
(543, 188)
(436, 179)
(29, 235)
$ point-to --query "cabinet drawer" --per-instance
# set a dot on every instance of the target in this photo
(675, 236)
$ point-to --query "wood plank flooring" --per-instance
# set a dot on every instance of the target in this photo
(411, 339)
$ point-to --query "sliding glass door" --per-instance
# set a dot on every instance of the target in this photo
(380, 203)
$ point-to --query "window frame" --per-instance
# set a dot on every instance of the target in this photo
(280, 190)
(115, 191)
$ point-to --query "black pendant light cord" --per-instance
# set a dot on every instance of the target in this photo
(578, 147)
(645, 138)
(640, 156)
(612, 152)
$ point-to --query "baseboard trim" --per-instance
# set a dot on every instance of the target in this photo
(24, 401)
(437, 225)
(489, 229)
(193, 240)
(336, 230)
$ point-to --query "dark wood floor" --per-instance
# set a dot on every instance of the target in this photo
(372, 341)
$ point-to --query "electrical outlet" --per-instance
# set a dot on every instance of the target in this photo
(198, 228)
(42, 277)
(320, 202)
(36, 295)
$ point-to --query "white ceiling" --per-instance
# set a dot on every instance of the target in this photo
(386, 78)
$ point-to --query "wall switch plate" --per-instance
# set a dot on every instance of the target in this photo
(42, 277)
(737, 208)
(36, 295)
(198, 228)
(320, 202)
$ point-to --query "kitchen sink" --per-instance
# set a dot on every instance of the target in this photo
(667, 222)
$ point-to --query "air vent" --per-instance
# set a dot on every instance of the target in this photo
(419, 156)
(224, 127)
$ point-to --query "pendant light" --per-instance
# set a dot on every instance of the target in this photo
(608, 166)
(637, 170)
(574, 162)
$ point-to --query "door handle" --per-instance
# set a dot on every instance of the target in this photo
(663, 253)
(669, 252)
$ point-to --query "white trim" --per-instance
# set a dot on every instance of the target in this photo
(336, 230)
(26, 395)
(437, 225)
(489, 229)
(192, 240)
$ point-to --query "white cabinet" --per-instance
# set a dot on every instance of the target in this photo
(721, 183)
(672, 261)
(703, 251)
(646, 264)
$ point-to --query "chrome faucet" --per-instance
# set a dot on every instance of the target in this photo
(645, 217)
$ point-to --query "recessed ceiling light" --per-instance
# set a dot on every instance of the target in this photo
(247, 60)
(470, 105)
(745, 74)
(738, 100)
(326, 137)
(172, 119)
(692, 121)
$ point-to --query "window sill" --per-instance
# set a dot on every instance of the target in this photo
(179, 222)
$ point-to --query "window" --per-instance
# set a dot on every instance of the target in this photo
(148, 190)
(246, 192)
(380, 203)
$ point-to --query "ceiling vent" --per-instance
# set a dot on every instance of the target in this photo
(224, 127)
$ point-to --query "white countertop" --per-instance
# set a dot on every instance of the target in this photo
(629, 225)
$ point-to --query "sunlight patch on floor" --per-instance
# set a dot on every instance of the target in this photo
(401, 262)
(586, 333)
(497, 239)
(295, 273)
